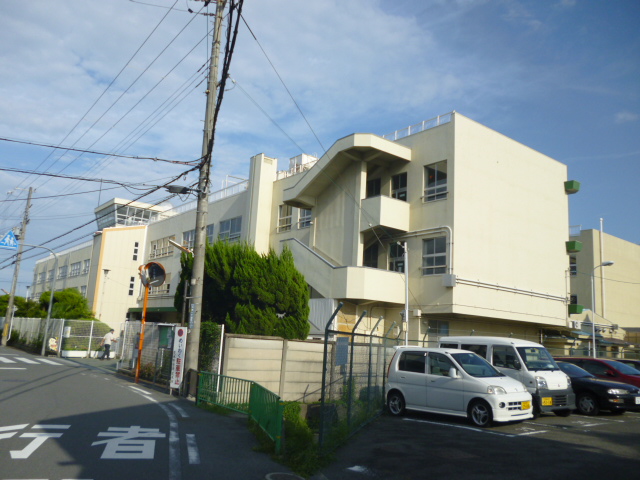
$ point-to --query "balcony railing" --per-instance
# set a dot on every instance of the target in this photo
(420, 127)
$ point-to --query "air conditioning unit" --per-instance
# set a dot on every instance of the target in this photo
(575, 324)
(417, 312)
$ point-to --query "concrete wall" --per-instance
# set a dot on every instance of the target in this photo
(290, 368)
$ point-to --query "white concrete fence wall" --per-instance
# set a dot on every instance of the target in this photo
(290, 368)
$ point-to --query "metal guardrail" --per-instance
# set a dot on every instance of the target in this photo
(244, 396)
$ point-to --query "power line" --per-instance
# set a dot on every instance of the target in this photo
(95, 152)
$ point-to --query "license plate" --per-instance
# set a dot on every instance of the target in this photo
(546, 401)
(527, 405)
(637, 400)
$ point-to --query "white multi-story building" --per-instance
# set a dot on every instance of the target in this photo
(484, 218)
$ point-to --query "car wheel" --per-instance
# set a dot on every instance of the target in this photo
(395, 403)
(587, 404)
(480, 414)
(562, 413)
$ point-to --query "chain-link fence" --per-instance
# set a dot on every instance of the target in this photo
(354, 375)
(66, 338)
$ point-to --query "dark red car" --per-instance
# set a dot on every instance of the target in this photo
(607, 369)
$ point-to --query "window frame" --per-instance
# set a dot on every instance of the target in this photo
(304, 221)
(399, 188)
(230, 229)
(285, 218)
(438, 189)
(438, 267)
(396, 262)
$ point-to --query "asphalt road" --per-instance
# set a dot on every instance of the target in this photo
(63, 420)
(423, 446)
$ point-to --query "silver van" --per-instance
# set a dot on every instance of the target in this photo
(454, 382)
(527, 362)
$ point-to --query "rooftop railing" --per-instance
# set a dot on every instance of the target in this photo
(420, 127)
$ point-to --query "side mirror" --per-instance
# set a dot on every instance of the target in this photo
(453, 373)
(610, 373)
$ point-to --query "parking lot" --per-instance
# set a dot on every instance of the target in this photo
(432, 446)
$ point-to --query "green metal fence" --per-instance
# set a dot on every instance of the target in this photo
(244, 396)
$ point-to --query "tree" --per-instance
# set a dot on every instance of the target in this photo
(68, 303)
(24, 308)
(251, 293)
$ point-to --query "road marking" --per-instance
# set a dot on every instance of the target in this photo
(27, 360)
(139, 390)
(6, 360)
(13, 368)
(175, 468)
(50, 362)
(180, 410)
(192, 449)
(474, 429)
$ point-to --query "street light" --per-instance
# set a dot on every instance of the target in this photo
(593, 305)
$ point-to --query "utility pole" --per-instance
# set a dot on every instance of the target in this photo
(23, 232)
(197, 275)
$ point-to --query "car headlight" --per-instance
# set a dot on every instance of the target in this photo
(496, 390)
(617, 391)
(568, 380)
(541, 382)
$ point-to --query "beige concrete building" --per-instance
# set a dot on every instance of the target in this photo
(605, 284)
(484, 219)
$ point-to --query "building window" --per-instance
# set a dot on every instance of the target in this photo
(162, 289)
(305, 218)
(210, 237)
(371, 256)
(50, 276)
(85, 268)
(434, 256)
(75, 269)
(573, 266)
(399, 186)
(435, 181)
(439, 327)
(396, 257)
(573, 299)
(135, 251)
(373, 187)
(41, 277)
(132, 284)
(161, 247)
(189, 239)
(83, 291)
(62, 271)
(230, 229)
(285, 218)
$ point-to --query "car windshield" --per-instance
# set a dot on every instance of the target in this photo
(622, 368)
(537, 358)
(475, 365)
(574, 371)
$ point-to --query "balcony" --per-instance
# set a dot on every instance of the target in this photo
(385, 212)
(358, 284)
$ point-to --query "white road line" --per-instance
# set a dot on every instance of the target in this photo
(175, 468)
(192, 449)
(50, 362)
(479, 430)
(26, 360)
(6, 360)
(180, 410)
(13, 368)
(139, 390)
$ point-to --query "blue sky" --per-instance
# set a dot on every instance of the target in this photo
(560, 76)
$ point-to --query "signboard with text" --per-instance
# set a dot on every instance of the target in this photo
(177, 360)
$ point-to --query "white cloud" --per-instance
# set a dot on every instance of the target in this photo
(626, 117)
